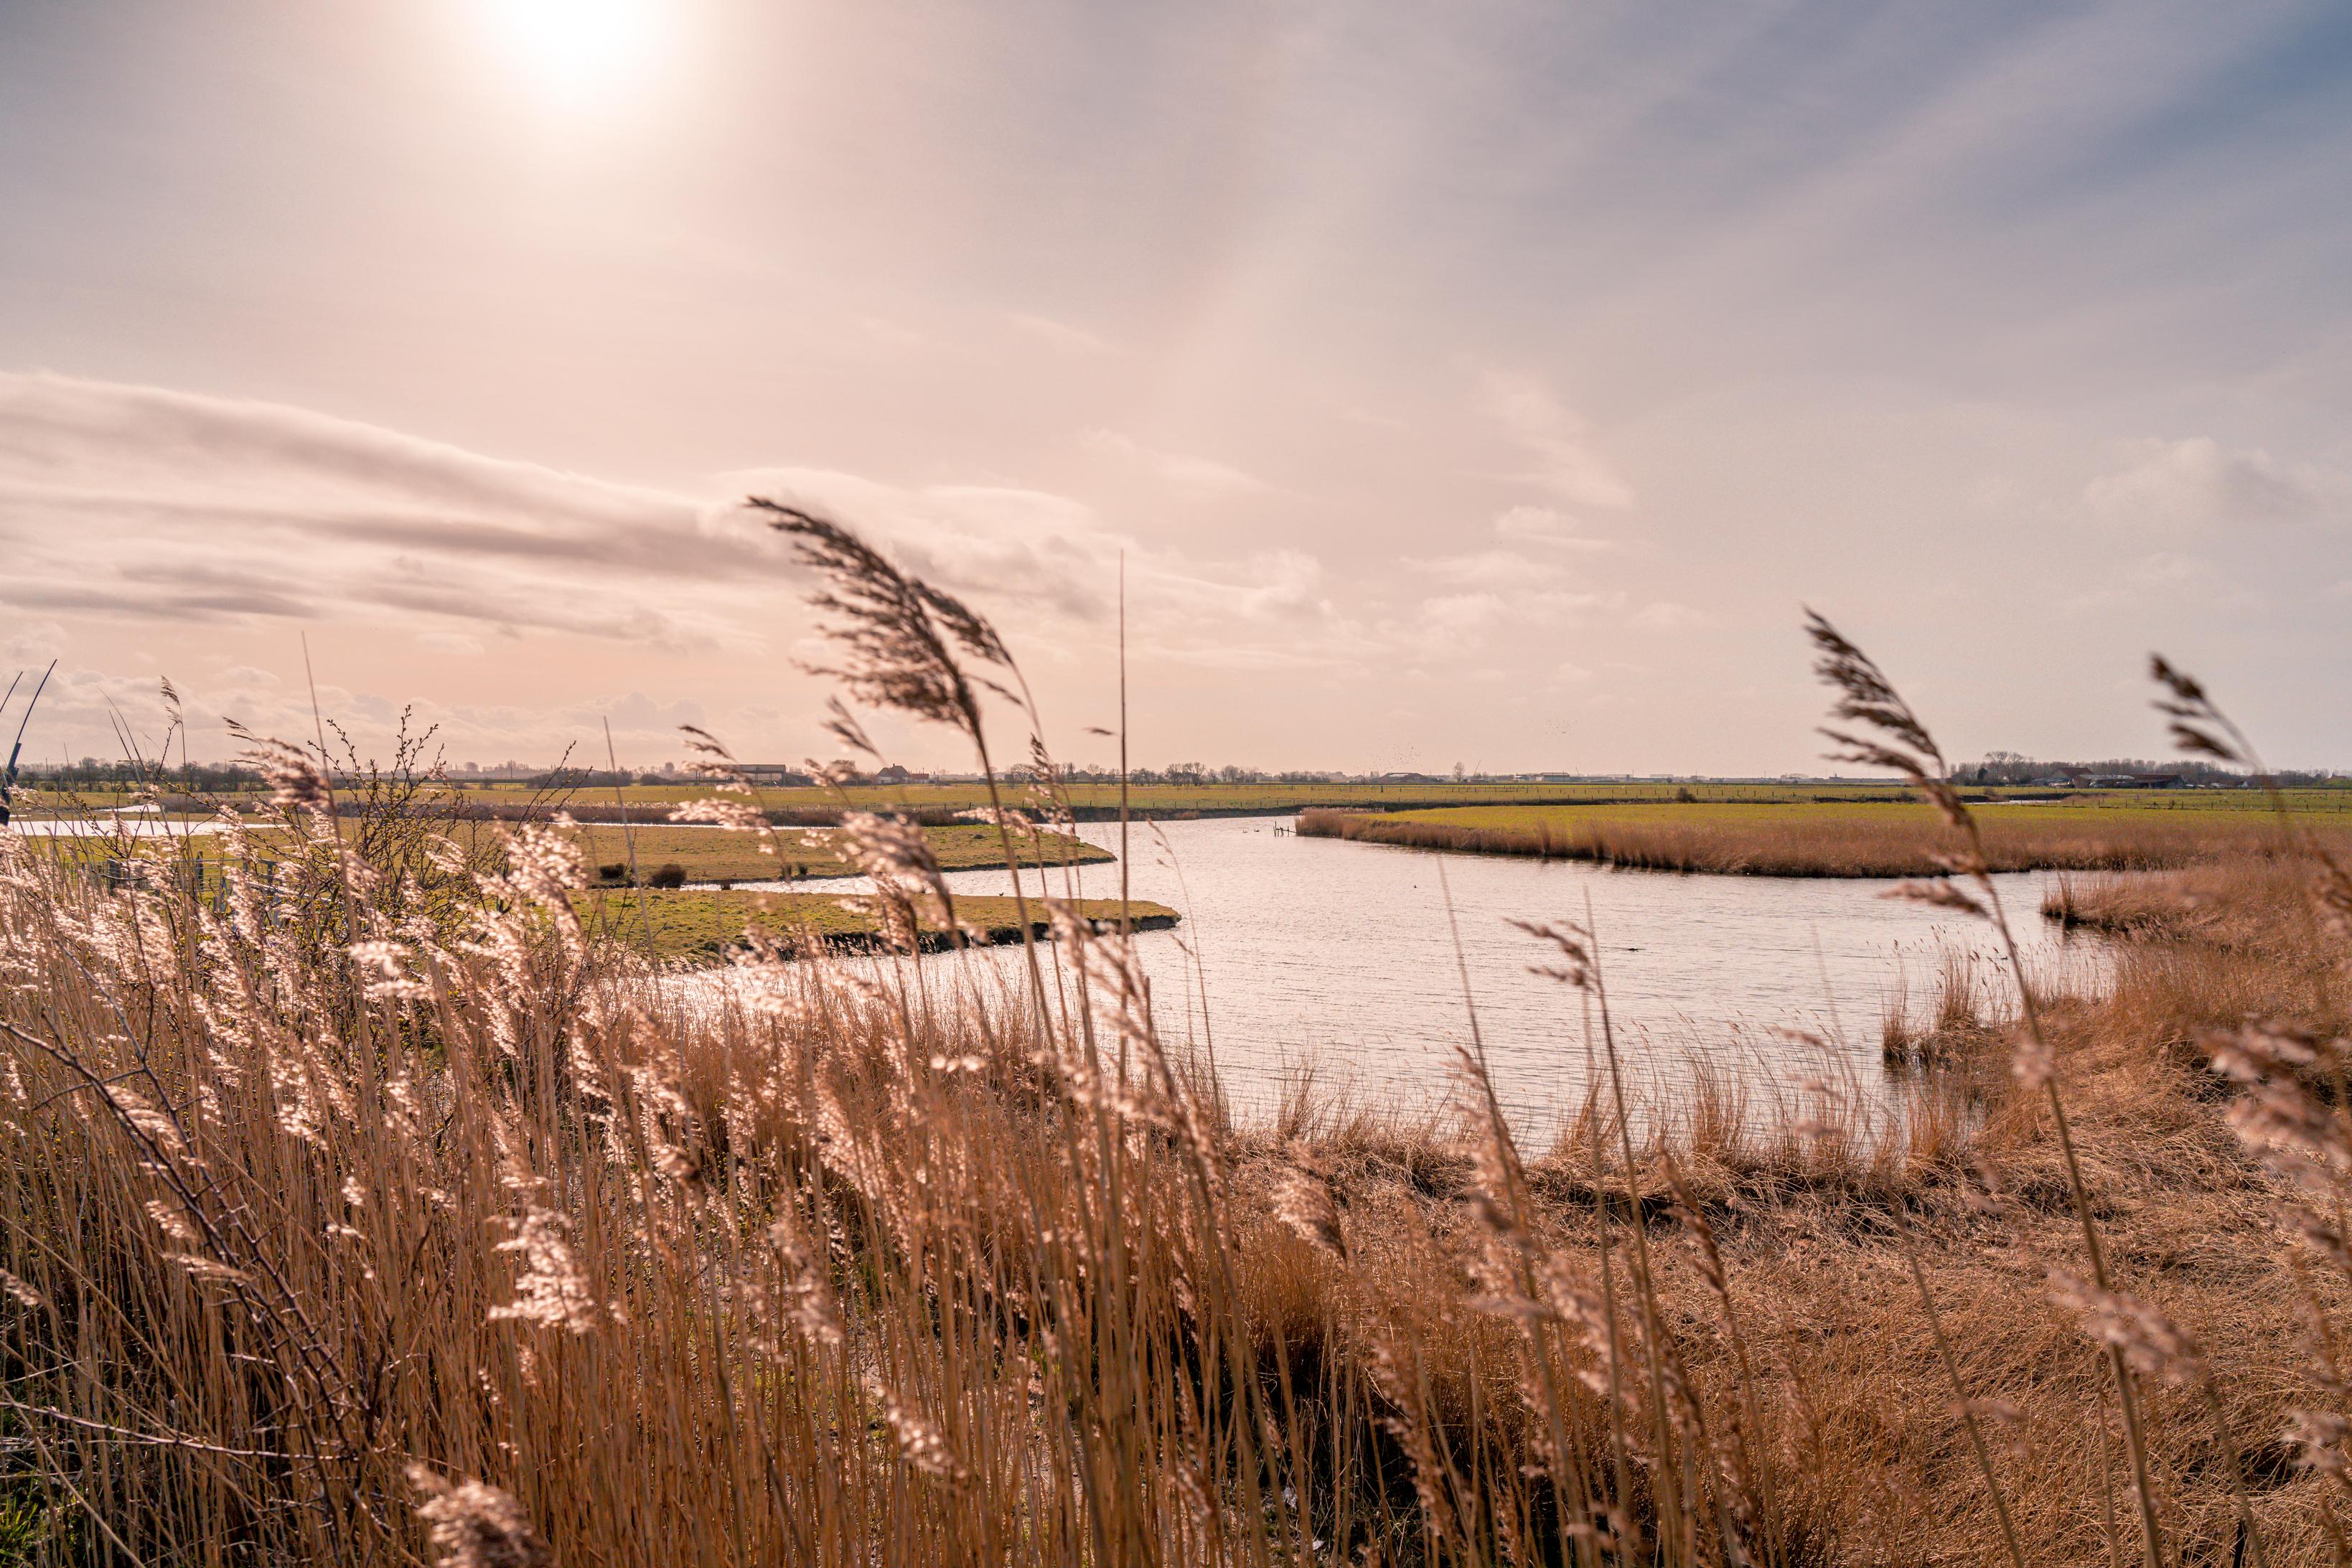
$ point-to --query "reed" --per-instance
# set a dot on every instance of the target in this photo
(1964, 1018)
(458, 1235)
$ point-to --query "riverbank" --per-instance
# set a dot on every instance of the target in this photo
(639, 1261)
(1823, 839)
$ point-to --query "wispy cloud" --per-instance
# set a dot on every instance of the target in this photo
(1556, 437)
(2197, 482)
(1061, 335)
(138, 502)
(1201, 475)
(1496, 570)
(1545, 527)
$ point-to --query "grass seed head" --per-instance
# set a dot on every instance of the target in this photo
(475, 1525)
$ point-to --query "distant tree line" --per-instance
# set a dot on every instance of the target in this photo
(1200, 773)
(95, 773)
(2011, 768)
(586, 778)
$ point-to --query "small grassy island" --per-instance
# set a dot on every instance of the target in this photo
(708, 854)
(708, 923)
(1837, 839)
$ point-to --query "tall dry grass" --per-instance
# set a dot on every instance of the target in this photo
(1798, 841)
(448, 1235)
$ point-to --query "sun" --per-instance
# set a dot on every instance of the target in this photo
(573, 51)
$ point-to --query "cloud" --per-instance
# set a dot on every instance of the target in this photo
(1667, 616)
(36, 643)
(185, 507)
(1543, 526)
(1499, 594)
(457, 642)
(2165, 577)
(1456, 623)
(2197, 482)
(138, 502)
(1061, 335)
(1031, 551)
(1050, 566)
(1556, 436)
(1501, 571)
(139, 505)
(888, 334)
(1201, 475)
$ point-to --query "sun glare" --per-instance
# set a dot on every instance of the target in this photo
(573, 50)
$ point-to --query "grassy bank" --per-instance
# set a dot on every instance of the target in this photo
(837, 1270)
(708, 854)
(706, 923)
(700, 856)
(1817, 838)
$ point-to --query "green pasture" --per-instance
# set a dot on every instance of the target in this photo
(706, 855)
(1097, 799)
(714, 854)
(700, 923)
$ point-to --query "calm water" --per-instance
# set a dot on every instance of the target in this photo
(1341, 953)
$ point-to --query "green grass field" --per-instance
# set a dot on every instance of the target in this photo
(705, 923)
(713, 855)
(706, 855)
(1172, 800)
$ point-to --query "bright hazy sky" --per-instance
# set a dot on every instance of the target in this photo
(1488, 382)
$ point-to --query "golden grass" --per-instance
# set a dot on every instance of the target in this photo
(1820, 841)
(828, 1273)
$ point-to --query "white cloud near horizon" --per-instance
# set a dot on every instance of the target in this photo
(134, 504)
(2196, 481)
(188, 507)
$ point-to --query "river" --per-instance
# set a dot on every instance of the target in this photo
(1343, 956)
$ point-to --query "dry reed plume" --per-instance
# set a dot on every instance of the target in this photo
(437, 1232)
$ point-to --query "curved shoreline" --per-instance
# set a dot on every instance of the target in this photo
(1820, 847)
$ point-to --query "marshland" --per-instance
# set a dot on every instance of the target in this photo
(421, 1194)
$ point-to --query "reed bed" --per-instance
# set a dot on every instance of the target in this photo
(387, 1224)
(1966, 1012)
(1803, 841)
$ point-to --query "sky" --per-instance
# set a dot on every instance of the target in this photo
(1492, 382)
